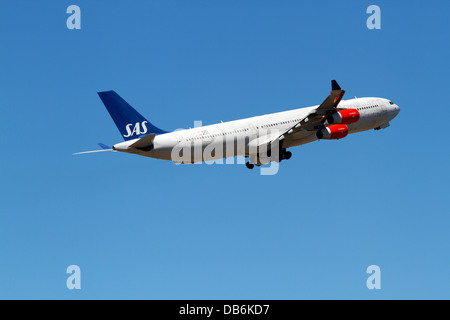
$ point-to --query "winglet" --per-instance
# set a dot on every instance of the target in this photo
(334, 85)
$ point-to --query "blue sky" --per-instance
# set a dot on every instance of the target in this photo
(141, 228)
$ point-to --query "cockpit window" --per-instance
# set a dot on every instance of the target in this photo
(390, 102)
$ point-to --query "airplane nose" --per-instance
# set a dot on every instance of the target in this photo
(397, 109)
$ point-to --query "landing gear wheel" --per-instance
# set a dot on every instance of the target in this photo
(288, 155)
(249, 165)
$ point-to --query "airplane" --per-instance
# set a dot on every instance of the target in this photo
(261, 139)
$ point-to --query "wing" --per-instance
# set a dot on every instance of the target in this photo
(331, 102)
(317, 116)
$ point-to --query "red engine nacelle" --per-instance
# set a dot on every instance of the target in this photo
(335, 131)
(346, 116)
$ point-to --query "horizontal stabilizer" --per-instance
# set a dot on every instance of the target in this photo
(144, 142)
(93, 151)
(104, 146)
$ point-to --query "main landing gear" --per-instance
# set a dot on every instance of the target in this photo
(285, 155)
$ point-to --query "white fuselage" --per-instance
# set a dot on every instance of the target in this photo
(374, 112)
